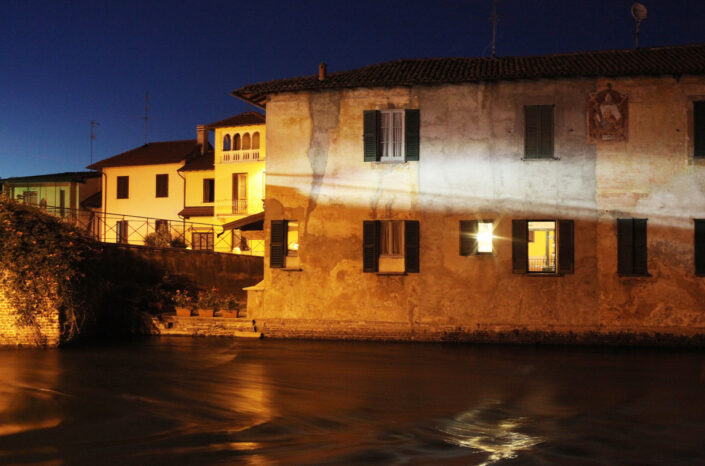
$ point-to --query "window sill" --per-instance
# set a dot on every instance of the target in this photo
(634, 275)
(544, 274)
(291, 269)
(389, 162)
(391, 273)
(540, 159)
(697, 160)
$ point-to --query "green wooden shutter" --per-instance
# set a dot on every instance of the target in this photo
(565, 246)
(520, 246)
(411, 246)
(370, 248)
(546, 131)
(468, 237)
(625, 246)
(531, 132)
(371, 135)
(639, 241)
(700, 247)
(699, 128)
(277, 244)
(413, 126)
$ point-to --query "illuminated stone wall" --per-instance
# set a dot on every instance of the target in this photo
(471, 167)
(11, 334)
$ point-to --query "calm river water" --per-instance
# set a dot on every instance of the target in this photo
(205, 401)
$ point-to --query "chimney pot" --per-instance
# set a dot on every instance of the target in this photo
(322, 72)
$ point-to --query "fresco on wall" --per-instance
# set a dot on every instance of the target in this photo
(607, 116)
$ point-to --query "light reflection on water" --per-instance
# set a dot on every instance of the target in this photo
(204, 401)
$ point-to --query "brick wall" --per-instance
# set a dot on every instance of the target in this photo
(11, 334)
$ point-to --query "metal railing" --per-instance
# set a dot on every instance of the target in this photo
(149, 231)
(542, 264)
(239, 206)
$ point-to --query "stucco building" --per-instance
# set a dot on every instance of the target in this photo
(558, 196)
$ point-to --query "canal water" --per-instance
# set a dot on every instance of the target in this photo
(220, 401)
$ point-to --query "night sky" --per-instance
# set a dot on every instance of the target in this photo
(65, 63)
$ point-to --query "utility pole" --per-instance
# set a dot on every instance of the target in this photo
(146, 114)
(494, 18)
(93, 125)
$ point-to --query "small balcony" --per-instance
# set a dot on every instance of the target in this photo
(239, 206)
(233, 156)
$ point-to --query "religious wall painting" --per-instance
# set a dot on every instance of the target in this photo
(608, 116)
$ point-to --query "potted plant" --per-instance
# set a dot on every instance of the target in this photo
(207, 302)
(183, 303)
(229, 306)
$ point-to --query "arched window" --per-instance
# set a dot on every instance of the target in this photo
(255, 140)
(226, 142)
(246, 141)
(237, 144)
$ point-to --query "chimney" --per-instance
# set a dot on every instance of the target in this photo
(322, 72)
(202, 138)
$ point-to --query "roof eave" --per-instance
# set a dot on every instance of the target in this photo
(259, 103)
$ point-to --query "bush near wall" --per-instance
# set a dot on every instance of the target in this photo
(44, 266)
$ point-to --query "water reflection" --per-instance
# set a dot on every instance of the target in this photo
(204, 401)
(489, 429)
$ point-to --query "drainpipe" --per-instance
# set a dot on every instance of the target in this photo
(105, 206)
(184, 202)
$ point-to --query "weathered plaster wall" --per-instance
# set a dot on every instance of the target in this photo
(653, 175)
(470, 167)
(11, 334)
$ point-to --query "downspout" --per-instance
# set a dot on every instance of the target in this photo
(104, 221)
(184, 202)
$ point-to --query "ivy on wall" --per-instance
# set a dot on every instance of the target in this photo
(44, 265)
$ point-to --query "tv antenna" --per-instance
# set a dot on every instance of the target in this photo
(494, 18)
(639, 14)
(146, 114)
(93, 125)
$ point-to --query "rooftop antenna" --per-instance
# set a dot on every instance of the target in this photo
(639, 14)
(146, 114)
(93, 125)
(494, 18)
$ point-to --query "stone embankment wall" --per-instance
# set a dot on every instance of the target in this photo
(11, 334)
(229, 273)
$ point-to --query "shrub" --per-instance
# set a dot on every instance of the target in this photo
(43, 265)
(158, 239)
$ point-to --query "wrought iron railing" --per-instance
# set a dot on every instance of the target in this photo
(148, 231)
(542, 264)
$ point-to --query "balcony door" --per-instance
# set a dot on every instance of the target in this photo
(239, 193)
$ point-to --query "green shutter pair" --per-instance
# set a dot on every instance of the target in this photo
(520, 246)
(371, 136)
(538, 132)
(370, 246)
(631, 246)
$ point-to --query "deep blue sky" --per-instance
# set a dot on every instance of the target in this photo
(64, 63)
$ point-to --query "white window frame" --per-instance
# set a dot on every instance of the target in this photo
(384, 144)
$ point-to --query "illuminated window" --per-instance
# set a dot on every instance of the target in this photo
(542, 246)
(284, 244)
(538, 132)
(390, 246)
(292, 238)
(123, 187)
(391, 135)
(475, 237)
(226, 142)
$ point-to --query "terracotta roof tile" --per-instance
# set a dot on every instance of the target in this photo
(152, 153)
(243, 119)
(684, 59)
(201, 162)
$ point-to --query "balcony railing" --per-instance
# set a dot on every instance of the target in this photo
(542, 264)
(232, 156)
(239, 206)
